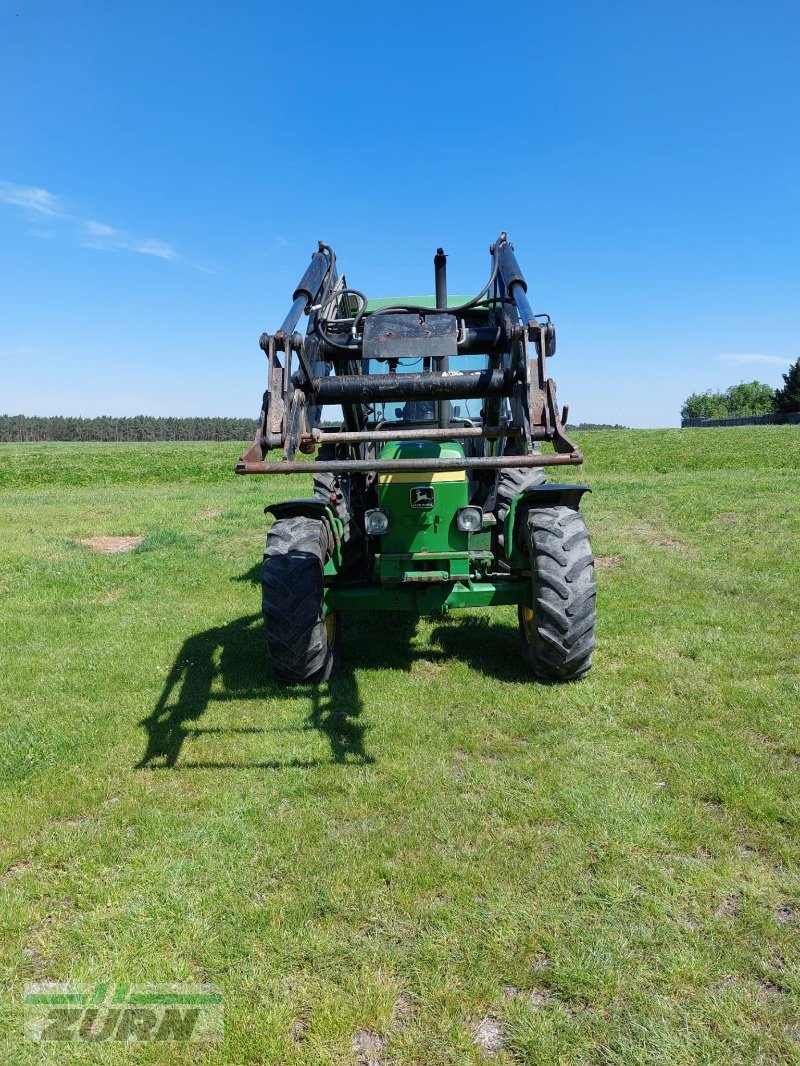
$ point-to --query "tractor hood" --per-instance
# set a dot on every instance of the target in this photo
(422, 449)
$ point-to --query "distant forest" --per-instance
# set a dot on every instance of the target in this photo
(17, 428)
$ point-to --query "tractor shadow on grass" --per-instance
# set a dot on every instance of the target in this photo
(490, 647)
(228, 662)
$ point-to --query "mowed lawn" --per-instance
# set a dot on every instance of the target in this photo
(432, 859)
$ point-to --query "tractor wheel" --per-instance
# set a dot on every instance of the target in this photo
(327, 489)
(334, 491)
(510, 482)
(558, 633)
(301, 641)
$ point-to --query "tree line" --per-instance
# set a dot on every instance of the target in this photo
(16, 428)
(747, 399)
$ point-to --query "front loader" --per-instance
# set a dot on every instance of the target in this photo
(430, 494)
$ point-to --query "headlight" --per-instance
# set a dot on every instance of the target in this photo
(469, 519)
(376, 523)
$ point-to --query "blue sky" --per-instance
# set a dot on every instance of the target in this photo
(167, 169)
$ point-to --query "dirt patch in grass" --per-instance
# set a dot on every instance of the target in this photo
(368, 1048)
(427, 667)
(729, 907)
(490, 1035)
(404, 1012)
(36, 961)
(786, 914)
(459, 767)
(537, 998)
(73, 823)
(606, 562)
(110, 545)
(657, 537)
(16, 868)
(111, 596)
(299, 1027)
(768, 988)
(768, 742)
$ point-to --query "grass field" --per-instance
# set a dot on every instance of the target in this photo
(432, 859)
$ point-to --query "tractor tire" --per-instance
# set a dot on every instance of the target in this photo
(510, 482)
(301, 640)
(334, 491)
(558, 633)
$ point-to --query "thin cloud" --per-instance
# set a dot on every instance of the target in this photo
(103, 238)
(30, 198)
(160, 249)
(755, 357)
(89, 232)
(99, 229)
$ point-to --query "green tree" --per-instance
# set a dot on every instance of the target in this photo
(744, 400)
(787, 399)
(750, 398)
(708, 404)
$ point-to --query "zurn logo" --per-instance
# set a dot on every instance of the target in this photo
(129, 1013)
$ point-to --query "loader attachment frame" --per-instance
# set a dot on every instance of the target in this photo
(345, 337)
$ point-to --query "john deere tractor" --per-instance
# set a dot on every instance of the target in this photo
(430, 494)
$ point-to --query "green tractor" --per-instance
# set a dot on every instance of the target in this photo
(430, 494)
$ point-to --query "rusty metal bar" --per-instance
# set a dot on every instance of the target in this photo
(416, 466)
(321, 436)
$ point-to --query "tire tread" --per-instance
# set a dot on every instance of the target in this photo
(564, 596)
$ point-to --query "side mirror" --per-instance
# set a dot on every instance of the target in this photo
(456, 411)
(398, 412)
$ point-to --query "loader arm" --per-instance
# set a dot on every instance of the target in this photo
(355, 355)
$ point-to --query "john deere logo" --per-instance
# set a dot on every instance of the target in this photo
(422, 497)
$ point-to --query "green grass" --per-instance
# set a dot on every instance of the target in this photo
(608, 869)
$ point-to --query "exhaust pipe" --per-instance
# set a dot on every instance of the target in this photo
(440, 278)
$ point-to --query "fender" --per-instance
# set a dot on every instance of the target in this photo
(548, 494)
(314, 508)
(305, 508)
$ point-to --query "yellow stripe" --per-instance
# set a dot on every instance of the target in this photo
(421, 478)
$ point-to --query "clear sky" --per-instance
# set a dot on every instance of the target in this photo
(167, 169)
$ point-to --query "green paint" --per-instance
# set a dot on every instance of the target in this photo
(100, 990)
(417, 529)
(515, 556)
(431, 599)
(334, 564)
(424, 562)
